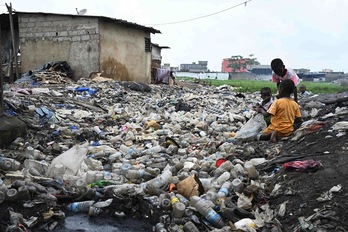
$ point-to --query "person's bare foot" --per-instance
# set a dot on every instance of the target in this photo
(274, 137)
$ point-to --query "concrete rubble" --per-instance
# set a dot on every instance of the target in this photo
(169, 154)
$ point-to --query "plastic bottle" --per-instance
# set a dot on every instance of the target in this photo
(82, 206)
(153, 200)
(183, 199)
(211, 195)
(161, 180)
(251, 170)
(94, 164)
(8, 164)
(58, 171)
(221, 195)
(177, 167)
(128, 150)
(93, 211)
(160, 228)
(97, 130)
(90, 193)
(123, 189)
(178, 207)
(182, 152)
(90, 177)
(224, 190)
(162, 132)
(190, 227)
(80, 183)
(153, 150)
(164, 202)
(116, 156)
(103, 204)
(173, 198)
(174, 228)
(135, 174)
(153, 171)
(227, 165)
(2, 197)
(3, 187)
(12, 194)
(223, 178)
(23, 193)
(204, 209)
(237, 185)
(178, 210)
(107, 175)
(99, 176)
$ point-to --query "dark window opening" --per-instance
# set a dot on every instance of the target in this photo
(148, 45)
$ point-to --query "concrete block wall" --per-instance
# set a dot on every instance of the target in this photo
(46, 37)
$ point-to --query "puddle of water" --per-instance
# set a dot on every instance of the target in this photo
(84, 223)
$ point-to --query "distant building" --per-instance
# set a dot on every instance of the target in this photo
(302, 70)
(312, 76)
(156, 56)
(202, 66)
(167, 66)
(326, 70)
(260, 69)
(156, 59)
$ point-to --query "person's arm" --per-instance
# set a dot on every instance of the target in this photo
(295, 94)
(278, 83)
(261, 110)
(277, 95)
(297, 123)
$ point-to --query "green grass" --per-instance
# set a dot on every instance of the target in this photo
(255, 86)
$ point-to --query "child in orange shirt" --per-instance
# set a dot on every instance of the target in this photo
(284, 113)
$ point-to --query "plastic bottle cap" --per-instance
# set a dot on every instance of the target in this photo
(219, 162)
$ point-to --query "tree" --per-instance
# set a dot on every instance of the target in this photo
(237, 63)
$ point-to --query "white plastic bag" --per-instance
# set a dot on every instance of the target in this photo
(71, 159)
(252, 127)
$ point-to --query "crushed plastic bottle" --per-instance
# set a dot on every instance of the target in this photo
(190, 227)
(82, 206)
(251, 170)
(8, 164)
(161, 180)
(97, 130)
(129, 151)
(206, 211)
(103, 204)
(160, 227)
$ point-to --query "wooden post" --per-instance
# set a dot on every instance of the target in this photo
(14, 46)
(1, 80)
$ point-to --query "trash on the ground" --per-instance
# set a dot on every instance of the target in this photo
(101, 147)
(303, 166)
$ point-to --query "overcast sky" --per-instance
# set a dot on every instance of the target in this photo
(304, 33)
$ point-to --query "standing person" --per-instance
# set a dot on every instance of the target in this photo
(280, 73)
(172, 78)
(284, 113)
(303, 91)
(267, 100)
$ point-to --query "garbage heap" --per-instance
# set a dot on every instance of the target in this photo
(170, 155)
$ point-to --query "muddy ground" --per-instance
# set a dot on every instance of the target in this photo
(300, 190)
